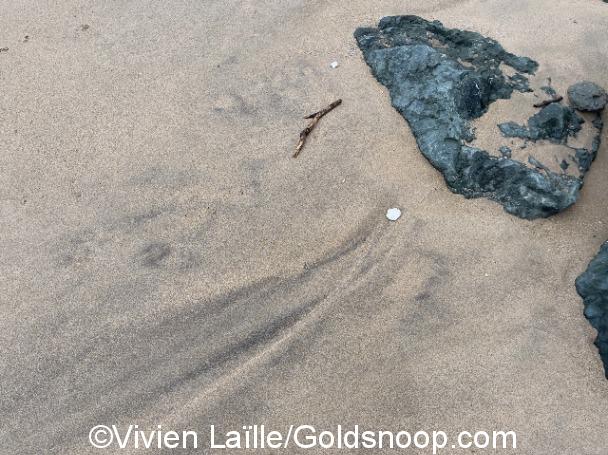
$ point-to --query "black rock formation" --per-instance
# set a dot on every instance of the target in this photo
(554, 122)
(587, 96)
(505, 151)
(439, 79)
(549, 90)
(592, 286)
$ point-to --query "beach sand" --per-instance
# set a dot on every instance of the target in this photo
(166, 261)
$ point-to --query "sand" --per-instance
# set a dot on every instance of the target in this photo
(166, 262)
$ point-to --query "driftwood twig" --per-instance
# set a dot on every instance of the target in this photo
(544, 103)
(314, 119)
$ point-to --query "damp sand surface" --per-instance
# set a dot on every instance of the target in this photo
(166, 261)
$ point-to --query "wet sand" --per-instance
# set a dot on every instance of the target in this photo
(166, 261)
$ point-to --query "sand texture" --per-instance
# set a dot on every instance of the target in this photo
(165, 260)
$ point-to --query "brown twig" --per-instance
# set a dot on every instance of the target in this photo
(544, 103)
(313, 122)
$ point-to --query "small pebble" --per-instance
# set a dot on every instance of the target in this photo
(393, 214)
(334, 65)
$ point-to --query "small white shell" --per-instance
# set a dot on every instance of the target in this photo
(393, 214)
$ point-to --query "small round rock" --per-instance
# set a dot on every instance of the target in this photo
(393, 214)
(587, 96)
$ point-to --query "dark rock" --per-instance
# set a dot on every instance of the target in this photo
(592, 286)
(549, 90)
(520, 83)
(512, 129)
(537, 164)
(554, 122)
(587, 96)
(598, 123)
(564, 165)
(505, 151)
(584, 158)
(439, 79)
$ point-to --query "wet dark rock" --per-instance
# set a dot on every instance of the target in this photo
(512, 129)
(584, 158)
(439, 79)
(549, 90)
(587, 96)
(557, 123)
(520, 83)
(505, 151)
(537, 164)
(554, 122)
(592, 286)
(598, 123)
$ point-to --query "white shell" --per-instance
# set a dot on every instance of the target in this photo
(334, 65)
(393, 214)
